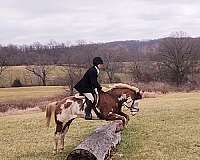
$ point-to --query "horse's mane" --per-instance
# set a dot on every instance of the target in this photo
(122, 85)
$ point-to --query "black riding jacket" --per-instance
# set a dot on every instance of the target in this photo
(89, 82)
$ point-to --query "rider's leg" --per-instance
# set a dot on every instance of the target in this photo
(90, 103)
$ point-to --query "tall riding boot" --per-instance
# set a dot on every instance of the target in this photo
(88, 109)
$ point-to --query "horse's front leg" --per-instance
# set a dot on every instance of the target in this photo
(62, 140)
(125, 115)
(64, 132)
(113, 116)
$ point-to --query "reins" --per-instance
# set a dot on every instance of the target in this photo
(133, 109)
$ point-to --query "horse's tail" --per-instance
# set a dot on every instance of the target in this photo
(50, 108)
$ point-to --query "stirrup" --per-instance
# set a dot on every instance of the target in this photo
(88, 117)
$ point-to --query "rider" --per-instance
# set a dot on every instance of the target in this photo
(88, 85)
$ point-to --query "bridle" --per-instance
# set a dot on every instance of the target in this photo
(132, 107)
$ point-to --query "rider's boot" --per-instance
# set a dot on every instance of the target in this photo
(88, 109)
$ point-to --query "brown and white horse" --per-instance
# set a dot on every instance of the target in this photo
(109, 107)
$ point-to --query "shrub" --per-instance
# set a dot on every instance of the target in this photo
(116, 79)
(17, 83)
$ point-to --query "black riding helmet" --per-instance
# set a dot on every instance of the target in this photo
(97, 61)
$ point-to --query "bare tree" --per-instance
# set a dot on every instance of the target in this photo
(111, 67)
(135, 71)
(88, 52)
(41, 71)
(3, 65)
(3, 60)
(177, 55)
(73, 73)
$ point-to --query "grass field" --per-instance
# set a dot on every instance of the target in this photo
(167, 128)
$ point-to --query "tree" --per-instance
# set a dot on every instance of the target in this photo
(3, 65)
(135, 71)
(3, 60)
(87, 52)
(111, 67)
(177, 54)
(41, 71)
(73, 73)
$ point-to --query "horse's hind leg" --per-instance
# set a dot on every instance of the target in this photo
(57, 136)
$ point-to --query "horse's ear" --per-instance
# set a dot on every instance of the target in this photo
(67, 105)
(141, 92)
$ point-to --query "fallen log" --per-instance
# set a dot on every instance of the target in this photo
(99, 144)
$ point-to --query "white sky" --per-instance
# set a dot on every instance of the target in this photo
(28, 21)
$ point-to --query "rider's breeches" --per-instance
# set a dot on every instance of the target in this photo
(89, 96)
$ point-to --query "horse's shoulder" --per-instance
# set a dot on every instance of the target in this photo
(104, 93)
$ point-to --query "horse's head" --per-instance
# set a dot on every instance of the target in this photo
(127, 95)
(133, 101)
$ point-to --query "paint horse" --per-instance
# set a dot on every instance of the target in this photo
(109, 107)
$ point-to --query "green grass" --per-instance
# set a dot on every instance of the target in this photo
(26, 137)
(25, 93)
(166, 128)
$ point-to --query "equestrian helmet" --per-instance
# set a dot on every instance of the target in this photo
(97, 61)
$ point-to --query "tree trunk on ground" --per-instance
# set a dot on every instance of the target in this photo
(98, 146)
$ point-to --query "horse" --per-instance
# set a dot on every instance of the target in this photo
(108, 107)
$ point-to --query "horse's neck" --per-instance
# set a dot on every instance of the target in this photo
(109, 94)
(112, 93)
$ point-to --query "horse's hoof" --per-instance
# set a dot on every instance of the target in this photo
(126, 122)
(61, 150)
(133, 113)
(128, 118)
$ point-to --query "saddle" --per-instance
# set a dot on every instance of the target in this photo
(79, 96)
(96, 101)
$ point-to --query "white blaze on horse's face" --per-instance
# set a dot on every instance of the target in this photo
(129, 101)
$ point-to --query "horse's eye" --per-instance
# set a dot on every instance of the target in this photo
(67, 104)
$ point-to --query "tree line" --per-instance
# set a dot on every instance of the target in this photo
(174, 59)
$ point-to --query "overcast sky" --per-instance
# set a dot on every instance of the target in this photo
(28, 21)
